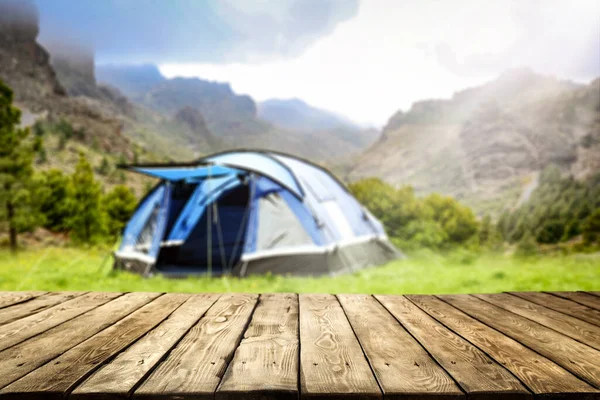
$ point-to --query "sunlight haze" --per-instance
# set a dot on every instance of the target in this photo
(389, 56)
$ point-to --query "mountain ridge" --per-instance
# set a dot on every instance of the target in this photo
(485, 143)
(233, 118)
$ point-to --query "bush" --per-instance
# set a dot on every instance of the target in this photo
(551, 232)
(119, 204)
(591, 228)
(435, 222)
(527, 246)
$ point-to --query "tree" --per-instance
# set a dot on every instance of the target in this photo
(104, 167)
(55, 201)
(458, 221)
(16, 166)
(87, 219)
(551, 232)
(591, 228)
(119, 204)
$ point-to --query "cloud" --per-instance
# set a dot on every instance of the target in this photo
(216, 31)
(394, 53)
(363, 60)
(553, 37)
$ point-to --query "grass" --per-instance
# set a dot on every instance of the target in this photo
(73, 269)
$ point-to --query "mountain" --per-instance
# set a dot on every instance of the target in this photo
(25, 67)
(132, 80)
(487, 144)
(226, 114)
(233, 119)
(67, 109)
(295, 114)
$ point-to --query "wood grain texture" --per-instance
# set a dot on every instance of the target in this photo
(265, 365)
(593, 293)
(117, 379)
(57, 378)
(24, 328)
(284, 346)
(565, 306)
(570, 354)
(23, 358)
(35, 305)
(477, 374)
(542, 376)
(580, 297)
(402, 367)
(332, 363)
(565, 324)
(10, 298)
(194, 368)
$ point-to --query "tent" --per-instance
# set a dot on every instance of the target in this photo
(249, 212)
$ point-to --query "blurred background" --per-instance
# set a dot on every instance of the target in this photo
(472, 132)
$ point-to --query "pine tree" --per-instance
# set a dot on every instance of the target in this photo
(104, 167)
(16, 166)
(87, 220)
(55, 201)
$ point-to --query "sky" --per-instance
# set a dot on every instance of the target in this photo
(364, 59)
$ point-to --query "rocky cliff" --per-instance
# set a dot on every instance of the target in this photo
(25, 64)
(486, 144)
(26, 67)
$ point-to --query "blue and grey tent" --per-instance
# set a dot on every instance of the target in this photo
(250, 212)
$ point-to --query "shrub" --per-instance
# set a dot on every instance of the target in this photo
(551, 232)
(527, 246)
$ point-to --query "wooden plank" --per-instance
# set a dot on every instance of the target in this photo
(11, 298)
(25, 328)
(118, 378)
(57, 378)
(565, 324)
(565, 306)
(402, 367)
(265, 365)
(593, 293)
(570, 354)
(477, 374)
(194, 368)
(23, 358)
(332, 363)
(35, 305)
(542, 376)
(582, 298)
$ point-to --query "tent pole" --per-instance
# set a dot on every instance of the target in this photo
(238, 236)
(209, 229)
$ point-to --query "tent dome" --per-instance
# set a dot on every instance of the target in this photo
(246, 212)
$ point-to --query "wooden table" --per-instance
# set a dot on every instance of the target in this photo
(288, 346)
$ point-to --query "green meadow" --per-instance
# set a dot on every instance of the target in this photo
(77, 269)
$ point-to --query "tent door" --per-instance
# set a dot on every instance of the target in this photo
(216, 242)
